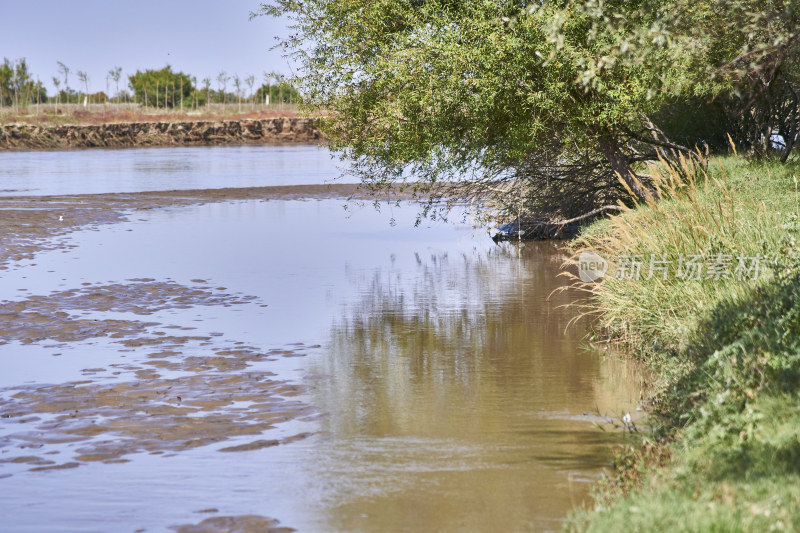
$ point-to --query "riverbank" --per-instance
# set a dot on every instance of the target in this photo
(705, 288)
(279, 130)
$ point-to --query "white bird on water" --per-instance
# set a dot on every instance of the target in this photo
(60, 218)
(626, 419)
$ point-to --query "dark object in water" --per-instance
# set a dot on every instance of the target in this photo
(535, 230)
(507, 232)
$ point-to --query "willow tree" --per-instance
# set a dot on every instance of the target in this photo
(551, 102)
(761, 63)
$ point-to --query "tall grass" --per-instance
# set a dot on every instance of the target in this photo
(727, 350)
(701, 215)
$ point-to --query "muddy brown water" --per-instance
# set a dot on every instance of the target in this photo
(254, 361)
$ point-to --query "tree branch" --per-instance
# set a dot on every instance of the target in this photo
(589, 214)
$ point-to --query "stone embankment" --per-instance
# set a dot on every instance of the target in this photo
(18, 136)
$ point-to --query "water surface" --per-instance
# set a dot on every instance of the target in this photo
(163, 169)
(432, 381)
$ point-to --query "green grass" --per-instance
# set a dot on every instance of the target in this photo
(727, 352)
(763, 504)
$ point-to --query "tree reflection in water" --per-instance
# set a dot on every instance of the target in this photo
(455, 394)
(474, 344)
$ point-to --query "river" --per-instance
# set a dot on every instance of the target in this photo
(189, 367)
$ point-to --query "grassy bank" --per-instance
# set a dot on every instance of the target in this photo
(724, 454)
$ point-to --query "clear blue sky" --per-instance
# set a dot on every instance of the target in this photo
(199, 37)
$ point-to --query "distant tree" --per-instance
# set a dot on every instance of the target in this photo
(276, 85)
(6, 76)
(237, 82)
(176, 86)
(83, 77)
(198, 97)
(282, 92)
(266, 94)
(250, 81)
(207, 87)
(57, 83)
(21, 82)
(100, 97)
(222, 81)
(116, 74)
(64, 70)
(38, 92)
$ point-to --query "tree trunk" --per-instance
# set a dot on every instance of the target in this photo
(618, 162)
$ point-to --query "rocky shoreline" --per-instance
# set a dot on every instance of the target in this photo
(19, 136)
